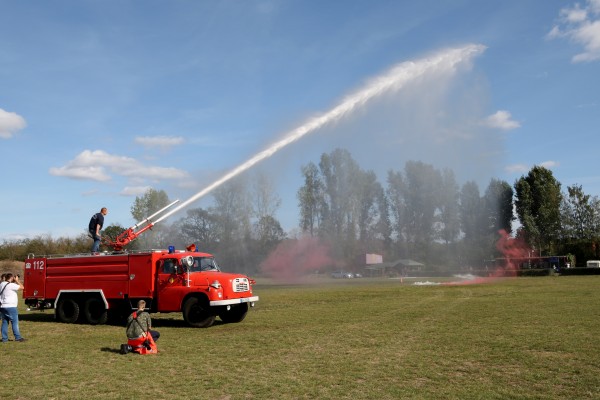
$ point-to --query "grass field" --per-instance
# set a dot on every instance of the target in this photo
(520, 338)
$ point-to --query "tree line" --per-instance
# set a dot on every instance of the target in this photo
(419, 213)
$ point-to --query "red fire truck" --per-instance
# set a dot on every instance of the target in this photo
(87, 287)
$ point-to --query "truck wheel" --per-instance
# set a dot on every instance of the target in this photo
(94, 311)
(67, 311)
(236, 313)
(197, 313)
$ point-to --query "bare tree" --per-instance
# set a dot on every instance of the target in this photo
(265, 201)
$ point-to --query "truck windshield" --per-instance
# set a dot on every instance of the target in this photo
(204, 264)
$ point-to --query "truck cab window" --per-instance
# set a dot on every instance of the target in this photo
(204, 264)
(169, 266)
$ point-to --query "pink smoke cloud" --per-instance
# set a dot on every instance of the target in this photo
(294, 258)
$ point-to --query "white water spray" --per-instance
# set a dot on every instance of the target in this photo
(393, 80)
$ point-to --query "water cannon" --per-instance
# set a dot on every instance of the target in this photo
(131, 233)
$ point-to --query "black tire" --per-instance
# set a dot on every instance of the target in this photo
(94, 311)
(67, 310)
(236, 313)
(197, 313)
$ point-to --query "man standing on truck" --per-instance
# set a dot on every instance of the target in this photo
(140, 335)
(10, 299)
(95, 225)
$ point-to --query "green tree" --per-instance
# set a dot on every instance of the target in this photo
(266, 229)
(310, 199)
(473, 226)
(366, 208)
(421, 197)
(580, 214)
(580, 220)
(233, 211)
(200, 227)
(498, 203)
(350, 205)
(12, 250)
(142, 208)
(344, 205)
(383, 226)
(538, 200)
(339, 171)
(471, 210)
(146, 205)
(416, 208)
(395, 194)
(268, 233)
(449, 215)
(111, 232)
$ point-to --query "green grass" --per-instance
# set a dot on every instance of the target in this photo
(523, 338)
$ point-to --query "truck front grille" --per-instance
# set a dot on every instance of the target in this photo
(241, 285)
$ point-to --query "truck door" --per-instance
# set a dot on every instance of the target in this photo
(170, 285)
(35, 278)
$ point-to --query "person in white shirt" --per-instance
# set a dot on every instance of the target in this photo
(10, 300)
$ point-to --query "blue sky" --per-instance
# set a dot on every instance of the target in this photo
(100, 100)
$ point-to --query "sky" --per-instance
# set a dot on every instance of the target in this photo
(102, 99)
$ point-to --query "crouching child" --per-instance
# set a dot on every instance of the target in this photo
(140, 336)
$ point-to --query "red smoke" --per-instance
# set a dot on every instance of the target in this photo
(294, 258)
(512, 249)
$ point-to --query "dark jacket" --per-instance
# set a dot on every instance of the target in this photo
(97, 219)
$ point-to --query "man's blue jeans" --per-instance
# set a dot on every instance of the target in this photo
(10, 314)
(96, 246)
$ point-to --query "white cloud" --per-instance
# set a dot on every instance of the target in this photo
(98, 165)
(517, 168)
(587, 105)
(554, 33)
(581, 26)
(10, 123)
(574, 15)
(143, 171)
(501, 120)
(159, 141)
(134, 190)
(523, 168)
(81, 172)
(549, 164)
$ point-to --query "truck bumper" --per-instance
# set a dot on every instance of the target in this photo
(234, 301)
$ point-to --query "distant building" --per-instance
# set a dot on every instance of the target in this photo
(398, 267)
(369, 259)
